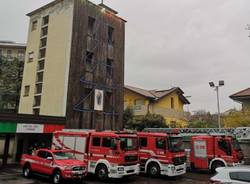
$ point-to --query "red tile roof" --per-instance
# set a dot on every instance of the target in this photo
(245, 92)
(158, 94)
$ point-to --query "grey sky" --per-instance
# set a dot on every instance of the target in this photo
(184, 43)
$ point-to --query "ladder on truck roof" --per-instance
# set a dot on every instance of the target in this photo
(193, 131)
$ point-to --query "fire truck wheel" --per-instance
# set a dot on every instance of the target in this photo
(102, 172)
(57, 178)
(153, 170)
(27, 171)
(216, 165)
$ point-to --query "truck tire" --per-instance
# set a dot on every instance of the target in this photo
(57, 177)
(102, 172)
(216, 165)
(27, 170)
(153, 170)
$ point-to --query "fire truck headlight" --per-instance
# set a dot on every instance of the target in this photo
(120, 168)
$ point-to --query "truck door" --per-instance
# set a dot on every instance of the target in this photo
(44, 165)
(224, 148)
(95, 152)
(160, 146)
(200, 154)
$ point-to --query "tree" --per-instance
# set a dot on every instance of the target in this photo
(128, 118)
(10, 83)
(237, 119)
(203, 119)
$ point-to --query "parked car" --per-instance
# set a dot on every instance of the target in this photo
(58, 164)
(232, 175)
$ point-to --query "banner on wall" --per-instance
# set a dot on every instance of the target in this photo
(99, 100)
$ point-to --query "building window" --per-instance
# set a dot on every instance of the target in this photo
(109, 67)
(42, 53)
(96, 141)
(26, 90)
(31, 56)
(36, 111)
(44, 31)
(143, 142)
(39, 77)
(45, 20)
(9, 54)
(37, 101)
(20, 55)
(39, 88)
(91, 26)
(40, 65)
(89, 60)
(43, 42)
(172, 103)
(34, 25)
(110, 35)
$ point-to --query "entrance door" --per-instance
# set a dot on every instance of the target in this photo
(19, 150)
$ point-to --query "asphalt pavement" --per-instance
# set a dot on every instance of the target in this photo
(13, 175)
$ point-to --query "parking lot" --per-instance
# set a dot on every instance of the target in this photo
(13, 176)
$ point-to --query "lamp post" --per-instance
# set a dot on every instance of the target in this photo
(216, 88)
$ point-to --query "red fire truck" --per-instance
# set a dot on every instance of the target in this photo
(108, 154)
(213, 151)
(161, 154)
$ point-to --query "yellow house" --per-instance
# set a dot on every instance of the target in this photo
(168, 103)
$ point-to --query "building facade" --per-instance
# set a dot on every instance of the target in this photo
(242, 97)
(168, 103)
(11, 61)
(75, 52)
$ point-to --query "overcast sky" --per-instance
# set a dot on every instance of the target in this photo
(184, 43)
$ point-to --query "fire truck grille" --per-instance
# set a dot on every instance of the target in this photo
(179, 160)
(131, 158)
(78, 168)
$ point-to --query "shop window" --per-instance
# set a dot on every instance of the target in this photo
(91, 26)
(110, 35)
(34, 25)
(26, 90)
(96, 141)
(45, 20)
(143, 142)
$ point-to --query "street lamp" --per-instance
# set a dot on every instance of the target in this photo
(216, 87)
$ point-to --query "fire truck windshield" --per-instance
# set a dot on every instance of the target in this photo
(63, 155)
(128, 143)
(236, 145)
(176, 144)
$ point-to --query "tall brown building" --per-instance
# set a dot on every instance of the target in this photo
(74, 64)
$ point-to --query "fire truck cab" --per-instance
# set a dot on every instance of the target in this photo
(213, 151)
(108, 154)
(161, 154)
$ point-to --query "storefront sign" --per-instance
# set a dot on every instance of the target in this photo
(29, 128)
(7, 127)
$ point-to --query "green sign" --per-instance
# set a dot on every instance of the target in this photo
(7, 127)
